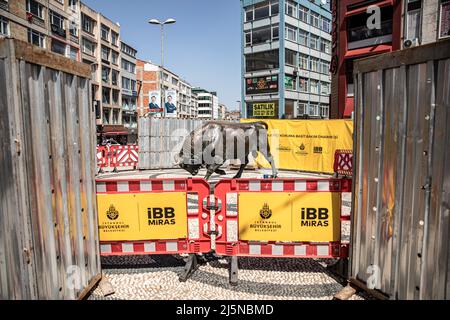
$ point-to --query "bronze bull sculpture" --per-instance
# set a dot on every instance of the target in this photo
(212, 144)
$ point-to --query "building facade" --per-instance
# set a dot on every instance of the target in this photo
(286, 54)
(53, 24)
(208, 104)
(129, 90)
(150, 81)
(402, 24)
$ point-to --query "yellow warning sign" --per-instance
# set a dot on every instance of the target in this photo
(142, 216)
(298, 216)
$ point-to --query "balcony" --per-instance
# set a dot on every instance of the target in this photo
(58, 30)
(4, 5)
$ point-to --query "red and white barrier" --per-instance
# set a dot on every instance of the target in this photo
(117, 156)
(227, 217)
(343, 162)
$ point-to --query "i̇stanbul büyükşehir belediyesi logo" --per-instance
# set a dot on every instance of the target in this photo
(265, 212)
(112, 213)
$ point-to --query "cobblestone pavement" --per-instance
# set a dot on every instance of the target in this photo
(156, 278)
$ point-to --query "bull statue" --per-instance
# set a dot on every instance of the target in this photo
(212, 144)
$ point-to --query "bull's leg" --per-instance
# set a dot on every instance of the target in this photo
(211, 169)
(241, 169)
(269, 158)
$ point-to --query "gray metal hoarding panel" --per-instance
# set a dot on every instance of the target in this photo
(48, 220)
(400, 224)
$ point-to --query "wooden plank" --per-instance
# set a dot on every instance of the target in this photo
(33, 54)
(421, 54)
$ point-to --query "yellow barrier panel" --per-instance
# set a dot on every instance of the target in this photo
(307, 145)
(297, 216)
(135, 216)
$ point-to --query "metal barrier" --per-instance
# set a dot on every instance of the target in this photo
(117, 156)
(154, 216)
(343, 162)
(296, 218)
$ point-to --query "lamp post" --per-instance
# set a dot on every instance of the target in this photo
(162, 24)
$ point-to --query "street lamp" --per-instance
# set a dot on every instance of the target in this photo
(157, 22)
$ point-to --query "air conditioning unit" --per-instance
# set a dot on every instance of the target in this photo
(411, 43)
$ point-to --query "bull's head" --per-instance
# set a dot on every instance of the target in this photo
(187, 164)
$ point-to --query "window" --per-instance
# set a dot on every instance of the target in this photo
(275, 33)
(248, 38)
(303, 14)
(73, 4)
(88, 47)
(325, 67)
(58, 47)
(105, 74)
(114, 38)
(105, 53)
(93, 71)
(444, 29)
(315, 18)
(115, 57)
(106, 95)
(56, 20)
(326, 25)
(126, 83)
(73, 28)
(261, 35)
(304, 62)
(324, 110)
(133, 85)
(87, 23)
(291, 58)
(303, 85)
(115, 97)
(105, 33)
(302, 108)
(274, 8)
(291, 33)
(314, 86)
(115, 78)
(325, 46)
(315, 64)
(262, 61)
(174, 81)
(291, 9)
(73, 53)
(106, 115)
(314, 109)
(36, 38)
(249, 15)
(303, 37)
(116, 114)
(290, 82)
(325, 88)
(413, 18)
(262, 10)
(314, 42)
(4, 29)
(128, 66)
(357, 29)
(35, 8)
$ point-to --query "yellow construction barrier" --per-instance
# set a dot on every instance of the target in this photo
(306, 145)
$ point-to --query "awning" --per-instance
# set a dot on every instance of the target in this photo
(381, 48)
(349, 107)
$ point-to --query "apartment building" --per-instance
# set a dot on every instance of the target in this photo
(101, 49)
(208, 104)
(403, 24)
(129, 90)
(286, 55)
(222, 111)
(50, 24)
(153, 79)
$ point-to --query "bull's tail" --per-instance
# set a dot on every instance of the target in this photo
(261, 123)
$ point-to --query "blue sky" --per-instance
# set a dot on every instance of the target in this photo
(203, 47)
